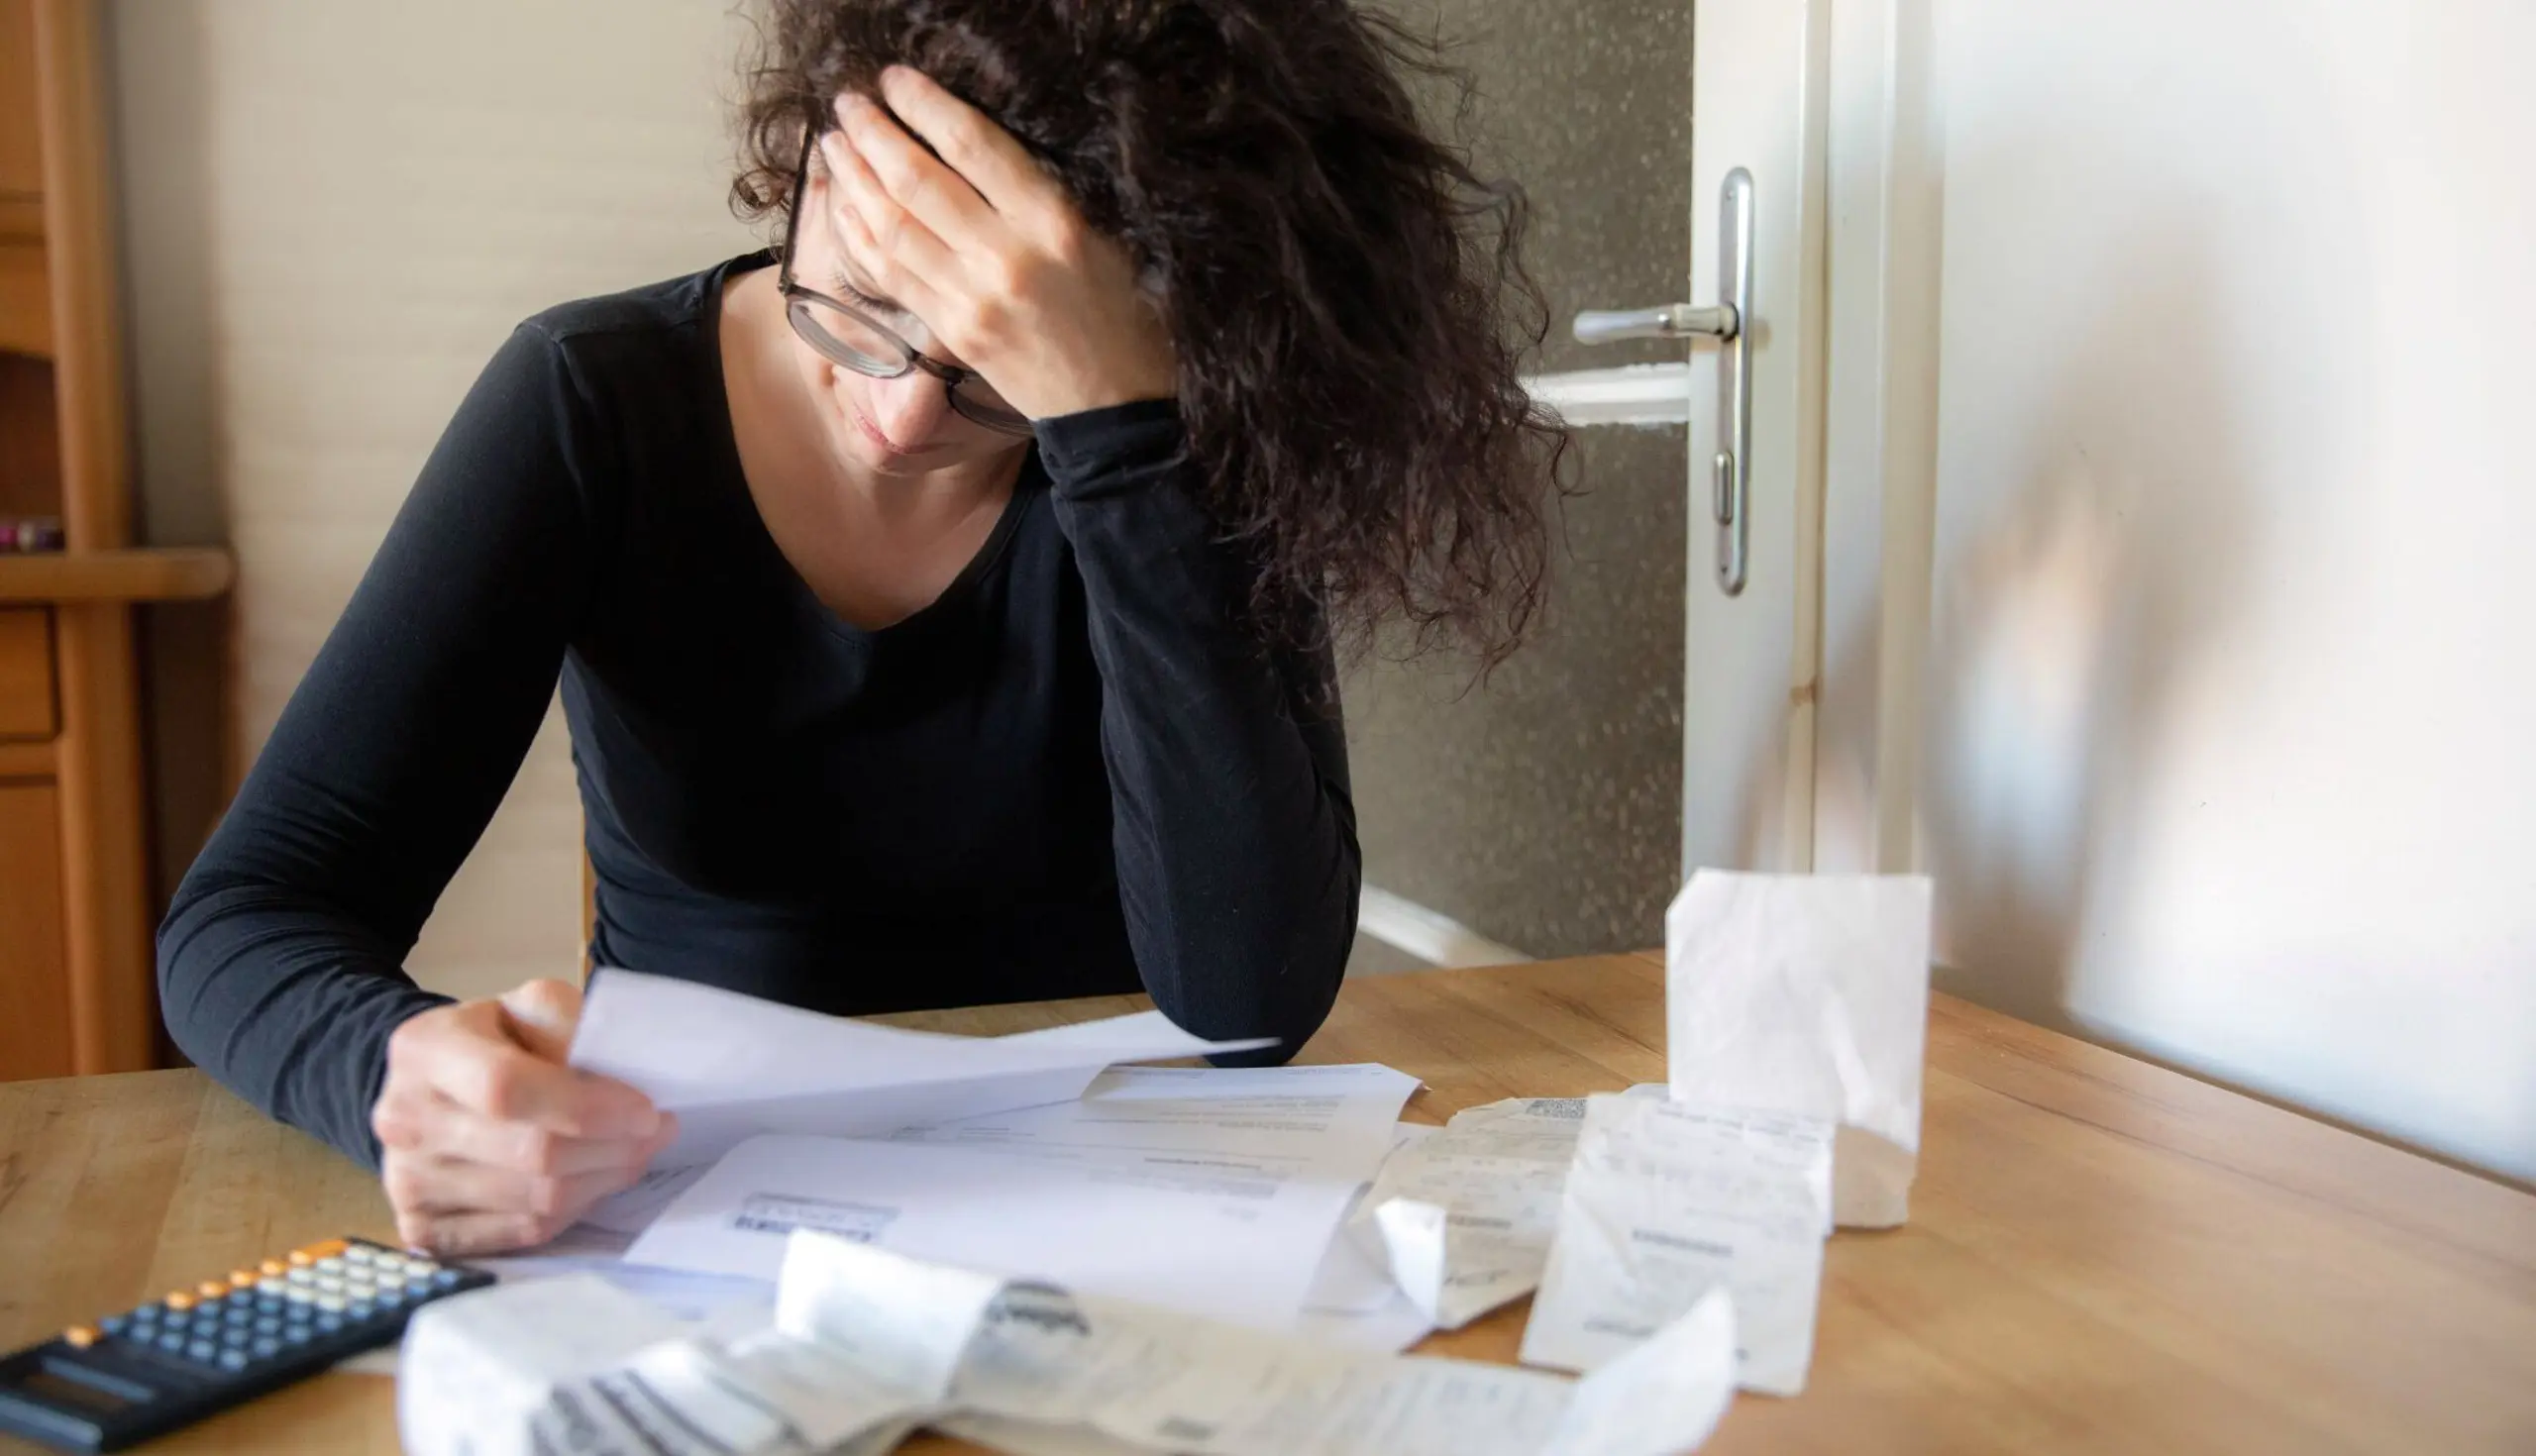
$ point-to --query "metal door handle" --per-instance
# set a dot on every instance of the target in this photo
(1673, 321)
(1729, 322)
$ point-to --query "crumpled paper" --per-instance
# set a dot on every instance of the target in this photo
(1808, 995)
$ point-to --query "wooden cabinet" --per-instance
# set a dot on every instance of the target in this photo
(27, 707)
(78, 982)
(35, 997)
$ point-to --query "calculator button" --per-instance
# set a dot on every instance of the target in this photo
(233, 1359)
(301, 1276)
(271, 1287)
(358, 1254)
(172, 1341)
(300, 1298)
(114, 1323)
(240, 1279)
(236, 1313)
(329, 1323)
(201, 1350)
(324, 1248)
(180, 1299)
(331, 1303)
(444, 1279)
(327, 1284)
(273, 1268)
(80, 1336)
(233, 1337)
(212, 1289)
(359, 1311)
(265, 1348)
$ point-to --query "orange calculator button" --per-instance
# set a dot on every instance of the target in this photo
(79, 1336)
(328, 1249)
(180, 1299)
(212, 1289)
(274, 1268)
(301, 1258)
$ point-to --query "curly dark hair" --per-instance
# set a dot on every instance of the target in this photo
(1346, 294)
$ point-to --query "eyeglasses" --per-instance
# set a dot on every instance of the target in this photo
(853, 338)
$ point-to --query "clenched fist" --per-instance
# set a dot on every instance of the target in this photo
(491, 1142)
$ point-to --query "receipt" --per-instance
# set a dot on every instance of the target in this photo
(1807, 993)
(1664, 1396)
(477, 1367)
(867, 1344)
(1055, 1375)
(1667, 1201)
(858, 1356)
(1465, 1216)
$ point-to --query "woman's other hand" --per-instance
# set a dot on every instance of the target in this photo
(990, 254)
(490, 1141)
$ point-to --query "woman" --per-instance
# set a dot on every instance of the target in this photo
(943, 604)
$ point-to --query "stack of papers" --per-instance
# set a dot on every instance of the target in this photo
(1215, 1192)
(1033, 1242)
(866, 1345)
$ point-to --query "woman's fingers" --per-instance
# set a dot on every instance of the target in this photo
(541, 1015)
(465, 1053)
(431, 1185)
(491, 1142)
(895, 250)
(463, 1133)
(920, 183)
(979, 153)
(464, 1235)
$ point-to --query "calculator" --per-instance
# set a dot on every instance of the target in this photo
(171, 1361)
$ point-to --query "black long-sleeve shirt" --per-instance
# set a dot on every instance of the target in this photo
(1075, 773)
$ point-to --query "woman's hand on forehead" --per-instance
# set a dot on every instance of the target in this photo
(989, 252)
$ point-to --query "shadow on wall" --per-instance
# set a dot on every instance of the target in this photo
(2079, 593)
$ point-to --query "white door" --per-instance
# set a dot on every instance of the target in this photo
(2174, 524)
(1753, 395)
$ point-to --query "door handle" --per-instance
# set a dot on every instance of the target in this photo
(1728, 321)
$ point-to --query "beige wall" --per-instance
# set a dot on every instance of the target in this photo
(2228, 705)
(335, 210)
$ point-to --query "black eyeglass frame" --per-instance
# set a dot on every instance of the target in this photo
(797, 296)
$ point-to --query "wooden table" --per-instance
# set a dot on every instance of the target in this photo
(2102, 1255)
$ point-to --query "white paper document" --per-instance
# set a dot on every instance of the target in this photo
(1325, 1124)
(1807, 993)
(867, 1344)
(1221, 1241)
(733, 1066)
(1666, 1202)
